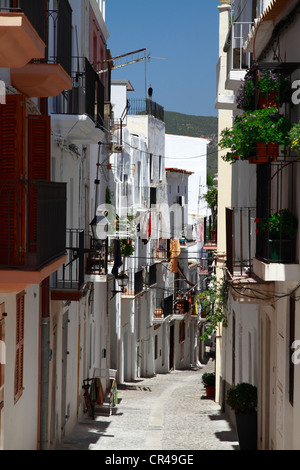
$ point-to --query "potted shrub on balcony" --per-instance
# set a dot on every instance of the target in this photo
(282, 226)
(242, 398)
(208, 379)
(272, 88)
(255, 136)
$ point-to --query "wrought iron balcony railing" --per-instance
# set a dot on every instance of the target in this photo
(70, 276)
(163, 307)
(146, 106)
(97, 257)
(83, 98)
(136, 283)
(49, 24)
(240, 239)
(33, 222)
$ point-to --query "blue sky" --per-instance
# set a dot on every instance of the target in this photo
(185, 33)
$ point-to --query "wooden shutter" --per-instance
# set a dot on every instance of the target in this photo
(12, 170)
(19, 346)
(38, 166)
(39, 147)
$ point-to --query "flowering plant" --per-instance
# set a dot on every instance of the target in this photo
(246, 94)
(268, 81)
(265, 82)
(294, 136)
(263, 125)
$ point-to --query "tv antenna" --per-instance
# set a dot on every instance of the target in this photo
(122, 61)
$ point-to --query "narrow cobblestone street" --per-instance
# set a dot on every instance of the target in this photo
(165, 412)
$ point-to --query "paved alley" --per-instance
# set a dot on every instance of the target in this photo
(165, 412)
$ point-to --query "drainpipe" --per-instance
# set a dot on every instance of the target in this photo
(45, 354)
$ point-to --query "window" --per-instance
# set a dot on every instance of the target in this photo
(19, 346)
(160, 167)
(155, 347)
(151, 166)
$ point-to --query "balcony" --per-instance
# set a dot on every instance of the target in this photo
(50, 76)
(246, 285)
(79, 113)
(136, 283)
(210, 234)
(68, 281)
(163, 308)
(145, 107)
(19, 41)
(152, 275)
(96, 261)
(163, 249)
(238, 61)
(32, 238)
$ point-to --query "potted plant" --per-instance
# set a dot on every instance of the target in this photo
(272, 88)
(127, 248)
(263, 129)
(282, 227)
(208, 379)
(242, 398)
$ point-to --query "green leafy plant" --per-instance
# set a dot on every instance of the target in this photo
(242, 398)
(294, 136)
(213, 302)
(208, 379)
(263, 125)
(282, 224)
(127, 248)
(211, 197)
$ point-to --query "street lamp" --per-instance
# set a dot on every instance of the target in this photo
(99, 226)
(122, 280)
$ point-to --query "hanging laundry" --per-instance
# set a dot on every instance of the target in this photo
(174, 253)
(117, 257)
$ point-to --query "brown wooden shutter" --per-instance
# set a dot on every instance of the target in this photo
(39, 147)
(12, 170)
(19, 345)
(38, 166)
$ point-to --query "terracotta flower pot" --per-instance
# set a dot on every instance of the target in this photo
(268, 101)
(265, 153)
(210, 391)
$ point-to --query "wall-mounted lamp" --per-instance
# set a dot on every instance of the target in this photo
(99, 226)
(122, 280)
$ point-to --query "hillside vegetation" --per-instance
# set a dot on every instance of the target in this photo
(196, 126)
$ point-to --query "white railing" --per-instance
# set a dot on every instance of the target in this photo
(238, 59)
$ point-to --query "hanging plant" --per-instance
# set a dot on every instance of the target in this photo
(127, 248)
(263, 125)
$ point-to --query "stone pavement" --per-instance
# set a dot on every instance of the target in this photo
(165, 412)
